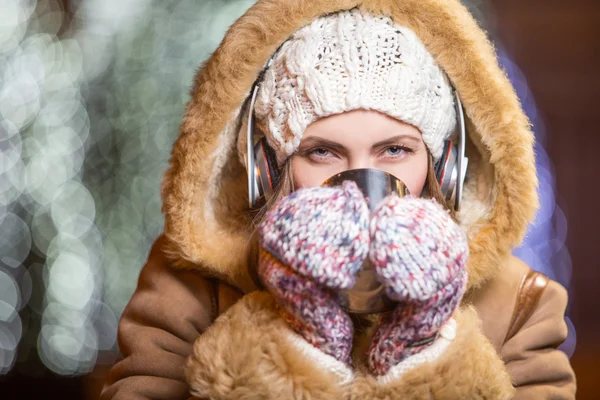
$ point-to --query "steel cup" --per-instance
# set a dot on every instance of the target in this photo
(368, 295)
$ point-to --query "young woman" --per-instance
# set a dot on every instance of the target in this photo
(242, 304)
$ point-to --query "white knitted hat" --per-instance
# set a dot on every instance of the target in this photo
(352, 60)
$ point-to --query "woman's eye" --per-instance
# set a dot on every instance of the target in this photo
(320, 152)
(321, 155)
(397, 150)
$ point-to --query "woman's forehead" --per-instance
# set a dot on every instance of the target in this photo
(359, 127)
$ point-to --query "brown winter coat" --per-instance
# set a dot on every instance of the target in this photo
(172, 308)
(199, 269)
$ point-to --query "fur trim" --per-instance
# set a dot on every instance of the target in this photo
(204, 191)
(250, 353)
(469, 368)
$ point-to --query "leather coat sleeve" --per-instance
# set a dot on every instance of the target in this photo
(166, 314)
(537, 368)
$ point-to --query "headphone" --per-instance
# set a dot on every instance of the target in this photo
(263, 174)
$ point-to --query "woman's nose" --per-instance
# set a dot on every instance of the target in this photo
(360, 163)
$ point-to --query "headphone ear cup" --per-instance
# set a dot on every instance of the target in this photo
(271, 159)
(440, 165)
(447, 170)
(267, 176)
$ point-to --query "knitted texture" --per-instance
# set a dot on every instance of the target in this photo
(321, 233)
(352, 60)
(312, 244)
(309, 308)
(419, 254)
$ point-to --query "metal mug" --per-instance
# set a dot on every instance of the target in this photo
(368, 294)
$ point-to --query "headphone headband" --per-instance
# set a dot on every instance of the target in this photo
(459, 172)
(253, 189)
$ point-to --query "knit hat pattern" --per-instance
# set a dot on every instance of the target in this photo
(352, 60)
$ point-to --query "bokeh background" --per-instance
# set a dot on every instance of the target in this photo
(91, 96)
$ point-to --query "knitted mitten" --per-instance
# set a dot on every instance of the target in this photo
(419, 254)
(312, 244)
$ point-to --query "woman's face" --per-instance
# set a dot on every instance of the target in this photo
(361, 139)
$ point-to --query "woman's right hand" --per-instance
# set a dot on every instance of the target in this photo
(312, 244)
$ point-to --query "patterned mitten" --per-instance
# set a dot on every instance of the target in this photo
(419, 254)
(312, 244)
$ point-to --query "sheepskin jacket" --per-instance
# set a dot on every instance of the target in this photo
(198, 326)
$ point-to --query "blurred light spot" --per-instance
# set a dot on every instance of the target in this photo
(15, 240)
(73, 210)
(36, 301)
(106, 326)
(51, 21)
(68, 351)
(10, 297)
(547, 200)
(26, 286)
(73, 59)
(561, 225)
(13, 22)
(43, 230)
(11, 184)
(57, 313)
(20, 100)
(10, 336)
(10, 146)
(67, 243)
(71, 281)
(153, 226)
(64, 141)
(60, 108)
(31, 58)
(30, 146)
(96, 54)
(8, 344)
(45, 174)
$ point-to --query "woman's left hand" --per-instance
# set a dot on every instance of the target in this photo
(419, 254)
(312, 244)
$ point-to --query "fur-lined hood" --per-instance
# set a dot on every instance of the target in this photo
(205, 189)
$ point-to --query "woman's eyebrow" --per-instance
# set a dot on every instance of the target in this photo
(318, 141)
(395, 139)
